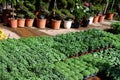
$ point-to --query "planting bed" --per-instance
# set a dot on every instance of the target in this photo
(59, 57)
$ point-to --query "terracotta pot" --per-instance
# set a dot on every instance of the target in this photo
(95, 19)
(56, 24)
(41, 23)
(101, 18)
(21, 23)
(110, 16)
(67, 24)
(13, 23)
(29, 22)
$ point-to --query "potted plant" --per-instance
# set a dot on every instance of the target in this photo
(41, 18)
(29, 9)
(110, 14)
(56, 19)
(101, 18)
(96, 8)
(42, 14)
(101, 15)
(21, 11)
(68, 19)
(30, 19)
(109, 9)
(21, 20)
(13, 20)
(91, 17)
(85, 20)
(78, 13)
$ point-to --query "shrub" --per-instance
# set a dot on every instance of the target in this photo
(116, 27)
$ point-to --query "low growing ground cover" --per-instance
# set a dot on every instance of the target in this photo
(72, 56)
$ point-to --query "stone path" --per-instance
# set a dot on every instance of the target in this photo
(33, 31)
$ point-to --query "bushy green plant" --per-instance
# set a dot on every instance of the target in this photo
(20, 15)
(114, 72)
(62, 3)
(43, 13)
(116, 27)
(58, 15)
(27, 8)
(97, 8)
(78, 13)
(30, 15)
(70, 4)
(43, 57)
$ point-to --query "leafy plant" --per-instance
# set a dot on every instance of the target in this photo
(68, 15)
(58, 15)
(30, 15)
(20, 15)
(116, 27)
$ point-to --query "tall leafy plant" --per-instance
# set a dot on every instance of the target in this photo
(14, 3)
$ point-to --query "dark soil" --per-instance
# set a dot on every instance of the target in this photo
(111, 31)
(102, 76)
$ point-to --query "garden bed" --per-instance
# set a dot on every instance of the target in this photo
(47, 58)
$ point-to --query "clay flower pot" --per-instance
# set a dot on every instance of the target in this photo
(41, 23)
(95, 19)
(13, 23)
(56, 24)
(101, 18)
(21, 22)
(110, 16)
(29, 22)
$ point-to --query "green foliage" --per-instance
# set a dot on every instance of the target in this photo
(30, 5)
(116, 27)
(71, 4)
(58, 15)
(43, 14)
(78, 13)
(20, 15)
(62, 3)
(86, 41)
(43, 4)
(67, 14)
(44, 57)
(111, 55)
(30, 15)
(114, 72)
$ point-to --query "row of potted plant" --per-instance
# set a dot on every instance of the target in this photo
(76, 12)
